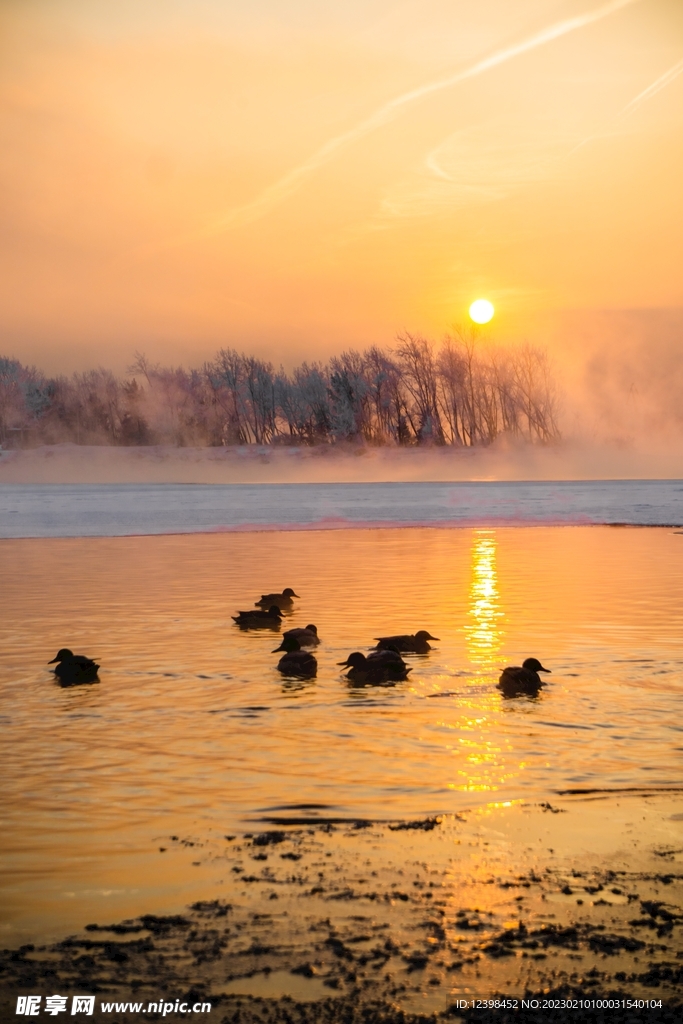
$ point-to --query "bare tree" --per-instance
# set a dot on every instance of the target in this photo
(419, 376)
(536, 394)
(259, 386)
(465, 393)
(351, 397)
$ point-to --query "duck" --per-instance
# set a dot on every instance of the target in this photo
(272, 619)
(385, 666)
(283, 600)
(516, 680)
(407, 643)
(72, 669)
(307, 636)
(296, 662)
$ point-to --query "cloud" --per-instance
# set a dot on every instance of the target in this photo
(280, 190)
(660, 83)
(652, 90)
(480, 164)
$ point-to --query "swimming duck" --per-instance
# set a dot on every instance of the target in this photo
(413, 643)
(515, 681)
(272, 619)
(296, 662)
(283, 600)
(73, 668)
(386, 666)
(307, 637)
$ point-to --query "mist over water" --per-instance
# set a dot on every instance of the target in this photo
(610, 381)
(622, 376)
(238, 244)
(503, 461)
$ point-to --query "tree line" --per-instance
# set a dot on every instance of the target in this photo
(463, 392)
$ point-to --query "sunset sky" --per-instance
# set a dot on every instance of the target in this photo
(296, 177)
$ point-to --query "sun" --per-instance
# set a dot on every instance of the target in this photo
(481, 311)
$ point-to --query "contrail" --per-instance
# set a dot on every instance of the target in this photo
(281, 189)
(652, 90)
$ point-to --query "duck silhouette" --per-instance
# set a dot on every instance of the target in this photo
(272, 619)
(517, 680)
(407, 643)
(72, 669)
(381, 667)
(296, 662)
(283, 600)
(307, 636)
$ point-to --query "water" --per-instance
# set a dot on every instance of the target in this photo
(114, 510)
(192, 732)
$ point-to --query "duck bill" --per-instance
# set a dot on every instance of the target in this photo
(344, 664)
(541, 669)
(430, 637)
(53, 661)
(278, 649)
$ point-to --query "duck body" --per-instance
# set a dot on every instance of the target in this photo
(307, 636)
(296, 662)
(271, 619)
(283, 600)
(384, 667)
(72, 669)
(518, 680)
(407, 643)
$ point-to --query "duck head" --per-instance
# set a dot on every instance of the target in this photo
(422, 634)
(274, 612)
(312, 629)
(62, 655)
(355, 660)
(534, 665)
(288, 592)
(290, 643)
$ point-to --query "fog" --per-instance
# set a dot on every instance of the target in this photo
(616, 378)
(566, 460)
(301, 178)
(622, 375)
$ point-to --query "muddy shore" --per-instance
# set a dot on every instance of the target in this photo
(336, 920)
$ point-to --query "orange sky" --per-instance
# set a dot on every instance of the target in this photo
(295, 177)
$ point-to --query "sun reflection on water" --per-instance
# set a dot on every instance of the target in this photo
(484, 635)
(483, 761)
(192, 731)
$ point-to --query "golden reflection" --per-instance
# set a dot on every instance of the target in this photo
(484, 636)
(483, 754)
